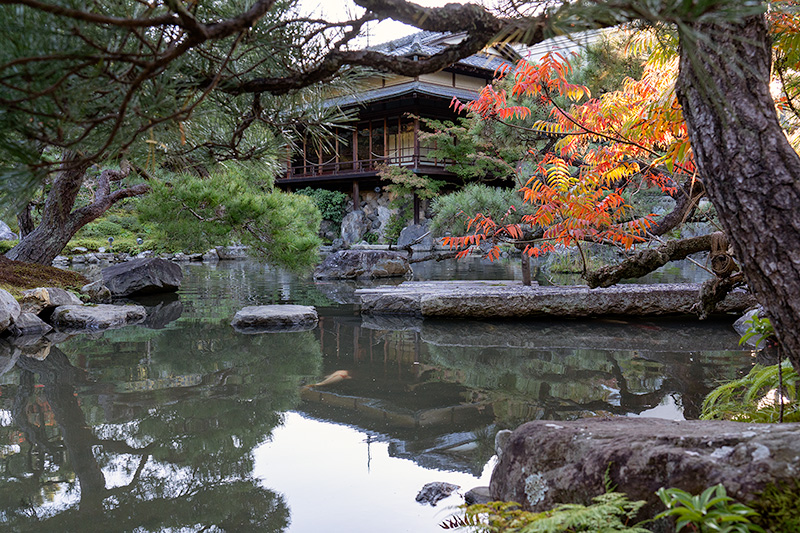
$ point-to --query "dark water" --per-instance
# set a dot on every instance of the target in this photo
(186, 425)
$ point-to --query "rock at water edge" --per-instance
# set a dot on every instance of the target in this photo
(29, 324)
(143, 276)
(9, 309)
(275, 318)
(364, 264)
(46, 298)
(546, 463)
(98, 317)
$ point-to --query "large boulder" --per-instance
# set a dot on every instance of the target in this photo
(274, 318)
(9, 309)
(545, 463)
(5, 232)
(355, 264)
(417, 234)
(97, 317)
(44, 299)
(354, 226)
(148, 275)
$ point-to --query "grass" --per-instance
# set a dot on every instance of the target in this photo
(16, 277)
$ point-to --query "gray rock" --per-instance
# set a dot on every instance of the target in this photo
(28, 324)
(211, 255)
(433, 492)
(232, 252)
(79, 259)
(9, 309)
(92, 259)
(485, 299)
(61, 259)
(547, 463)
(355, 264)
(329, 230)
(478, 495)
(354, 226)
(142, 276)
(413, 233)
(741, 325)
(5, 232)
(180, 257)
(97, 292)
(80, 249)
(98, 317)
(44, 299)
(275, 318)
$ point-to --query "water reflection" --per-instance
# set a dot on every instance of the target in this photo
(178, 424)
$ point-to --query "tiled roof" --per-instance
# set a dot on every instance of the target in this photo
(428, 43)
(403, 89)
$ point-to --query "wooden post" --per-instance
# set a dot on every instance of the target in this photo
(416, 209)
(355, 148)
(416, 142)
(385, 138)
(526, 269)
(356, 196)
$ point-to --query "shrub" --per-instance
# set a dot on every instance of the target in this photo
(331, 204)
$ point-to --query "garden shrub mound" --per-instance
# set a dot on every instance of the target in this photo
(16, 276)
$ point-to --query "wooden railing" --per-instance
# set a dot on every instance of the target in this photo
(365, 165)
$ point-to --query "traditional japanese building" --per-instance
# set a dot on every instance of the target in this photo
(388, 108)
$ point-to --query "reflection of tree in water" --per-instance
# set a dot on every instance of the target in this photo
(174, 457)
(561, 383)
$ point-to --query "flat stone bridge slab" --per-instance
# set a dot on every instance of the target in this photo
(498, 299)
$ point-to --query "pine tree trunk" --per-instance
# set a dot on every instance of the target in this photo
(749, 169)
(58, 223)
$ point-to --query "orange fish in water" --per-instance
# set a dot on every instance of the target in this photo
(336, 377)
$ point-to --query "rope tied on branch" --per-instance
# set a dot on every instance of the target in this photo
(721, 256)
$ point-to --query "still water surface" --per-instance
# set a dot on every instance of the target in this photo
(182, 424)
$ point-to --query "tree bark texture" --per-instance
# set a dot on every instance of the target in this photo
(748, 167)
(59, 221)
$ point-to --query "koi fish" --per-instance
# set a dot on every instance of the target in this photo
(336, 377)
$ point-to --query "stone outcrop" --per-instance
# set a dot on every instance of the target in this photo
(417, 234)
(544, 463)
(275, 318)
(45, 299)
(354, 226)
(142, 276)
(488, 299)
(363, 264)
(97, 317)
(9, 309)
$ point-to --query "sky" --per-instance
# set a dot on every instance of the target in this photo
(381, 32)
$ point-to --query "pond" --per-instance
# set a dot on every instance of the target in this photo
(182, 424)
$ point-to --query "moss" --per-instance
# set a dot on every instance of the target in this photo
(16, 277)
(777, 507)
